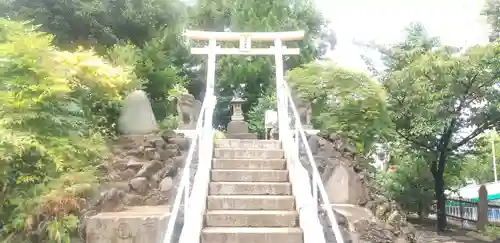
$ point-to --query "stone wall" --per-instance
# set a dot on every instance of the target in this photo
(347, 180)
(143, 171)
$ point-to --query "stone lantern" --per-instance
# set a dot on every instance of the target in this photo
(236, 103)
(238, 127)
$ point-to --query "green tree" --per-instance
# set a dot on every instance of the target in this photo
(478, 165)
(154, 27)
(55, 108)
(492, 12)
(257, 73)
(344, 101)
(98, 23)
(440, 100)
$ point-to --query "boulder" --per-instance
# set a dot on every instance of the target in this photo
(166, 185)
(347, 180)
(139, 185)
(345, 187)
(149, 169)
(136, 115)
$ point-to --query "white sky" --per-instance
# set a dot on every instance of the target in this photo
(456, 22)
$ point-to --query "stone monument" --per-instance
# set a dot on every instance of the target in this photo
(188, 109)
(136, 115)
(134, 225)
(238, 127)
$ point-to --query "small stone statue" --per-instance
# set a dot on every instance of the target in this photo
(188, 109)
(304, 108)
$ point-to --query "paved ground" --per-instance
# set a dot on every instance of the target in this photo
(426, 233)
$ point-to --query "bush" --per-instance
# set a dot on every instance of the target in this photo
(160, 64)
(256, 114)
(411, 185)
(55, 109)
(343, 102)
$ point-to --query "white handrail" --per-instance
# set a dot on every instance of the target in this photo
(184, 184)
(193, 223)
(316, 178)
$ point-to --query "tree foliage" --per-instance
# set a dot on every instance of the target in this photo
(152, 27)
(256, 74)
(343, 101)
(410, 184)
(492, 12)
(441, 99)
(55, 109)
(478, 165)
(256, 114)
(98, 23)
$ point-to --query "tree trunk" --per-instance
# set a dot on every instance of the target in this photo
(441, 201)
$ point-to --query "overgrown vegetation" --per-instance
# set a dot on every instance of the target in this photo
(56, 108)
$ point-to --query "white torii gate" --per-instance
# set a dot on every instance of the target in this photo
(245, 48)
(194, 218)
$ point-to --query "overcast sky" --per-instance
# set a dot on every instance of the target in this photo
(456, 22)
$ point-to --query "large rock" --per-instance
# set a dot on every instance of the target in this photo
(347, 180)
(136, 116)
(345, 187)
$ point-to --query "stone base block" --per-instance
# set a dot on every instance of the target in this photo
(134, 225)
(237, 127)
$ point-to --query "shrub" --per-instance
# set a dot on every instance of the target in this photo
(256, 114)
(55, 109)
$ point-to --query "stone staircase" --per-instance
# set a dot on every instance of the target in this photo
(250, 197)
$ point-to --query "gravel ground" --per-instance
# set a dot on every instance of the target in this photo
(426, 233)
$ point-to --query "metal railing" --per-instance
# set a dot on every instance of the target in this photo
(185, 211)
(312, 200)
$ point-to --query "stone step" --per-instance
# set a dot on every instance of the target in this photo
(251, 218)
(250, 175)
(250, 202)
(255, 164)
(250, 188)
(251, 235)
(247, 144)
(232, 153)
